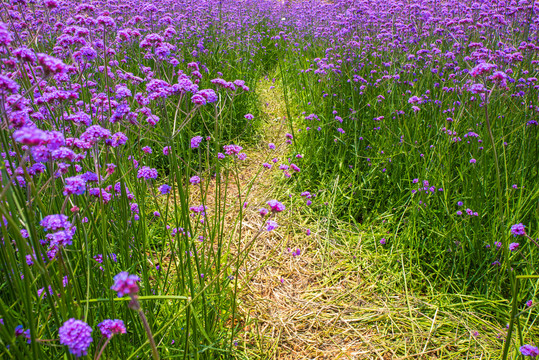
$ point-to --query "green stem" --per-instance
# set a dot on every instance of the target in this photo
(511, 320)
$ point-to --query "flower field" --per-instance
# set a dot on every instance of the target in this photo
(142, 172)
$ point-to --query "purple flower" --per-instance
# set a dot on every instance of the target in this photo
(276, 206)
(271, 146)
(77, 335)
(481, 69)
(122, 92)
(30, 136)
(164, 189)
(232, 149)
(477, 88)
(50, 64)
(414, 100)
(111, 327)
(198, 99)
(383, 241)
(529, 303)
(106, 21)
(195, 142)
(208, 94)
(473, 161)
(55, 222)
(147, 173)
(7, 86)
(518, 230)
(5, 35)
(75, 185)
(110, 169)
(271, 225)
(263, 212)
(513, 246)
(529, 350)
(86, 53)
(295, 167)
(249, 116)
(125, 284)
(61, 238)
(19, 331)
(95, 133)
(116, 140)
(194, 180)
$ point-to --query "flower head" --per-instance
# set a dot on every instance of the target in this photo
(77, 335)
(147, 173)
(30, 136)
(111, 327)
(5, 35)
(125, 284)
(7, 86)
(55, 222)
(75, 185)
(276, 206)
(232, 149)
(529, 350)
(518, 230)
(195, 142)
(164, 189)
(50, 64)
(482, 68)
(271, 225)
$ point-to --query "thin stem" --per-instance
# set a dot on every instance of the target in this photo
(103, 348)
(511, 320)
(155, 354)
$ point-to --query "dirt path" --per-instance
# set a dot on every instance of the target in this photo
(294, 308)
